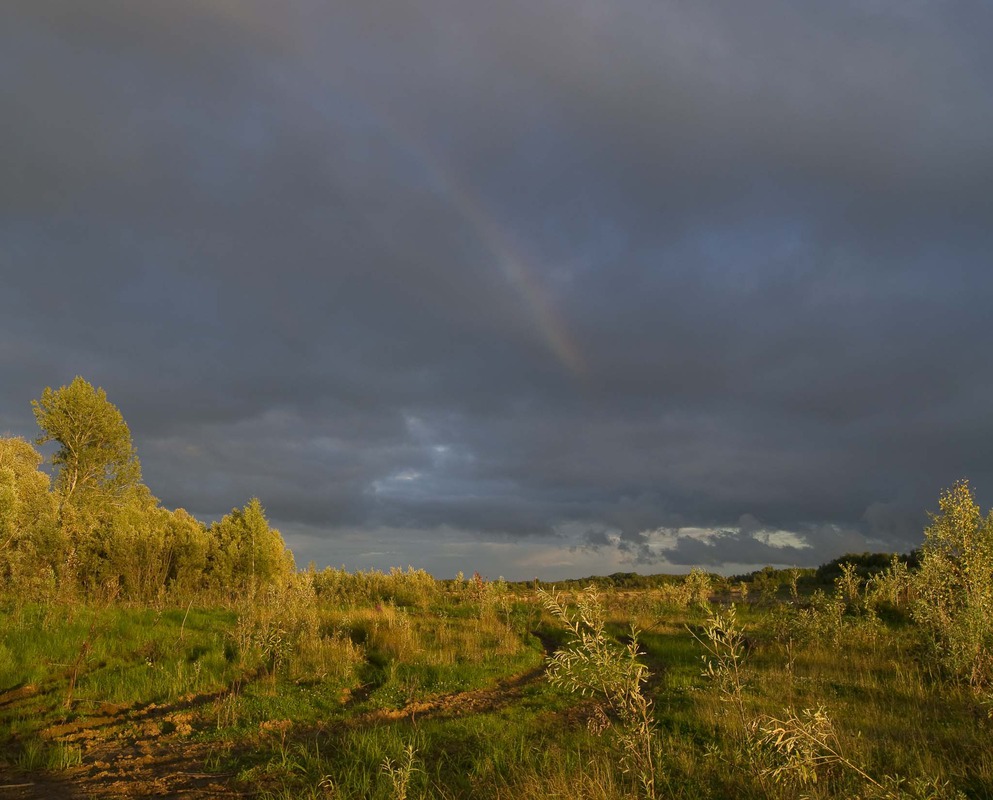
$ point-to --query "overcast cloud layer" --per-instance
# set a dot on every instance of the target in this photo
(554, 287)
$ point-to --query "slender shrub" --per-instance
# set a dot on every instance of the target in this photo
(724, 659)
(596, 665)
(954, 586)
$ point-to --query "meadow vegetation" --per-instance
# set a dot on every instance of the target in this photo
(144, 653)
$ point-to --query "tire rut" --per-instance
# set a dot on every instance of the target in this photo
(137, 751)
(141, 751)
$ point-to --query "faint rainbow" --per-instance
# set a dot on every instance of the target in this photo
(552, 327)
(519, 275)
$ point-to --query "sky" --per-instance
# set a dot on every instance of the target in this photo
(532, 288)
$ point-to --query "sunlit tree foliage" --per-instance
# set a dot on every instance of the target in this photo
(96, 457)
(30, 540)
(246, 552)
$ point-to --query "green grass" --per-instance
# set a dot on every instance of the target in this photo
(349, 683)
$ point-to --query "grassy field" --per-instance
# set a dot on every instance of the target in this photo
(396, 685)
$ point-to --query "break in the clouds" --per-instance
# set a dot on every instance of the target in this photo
(534, 287)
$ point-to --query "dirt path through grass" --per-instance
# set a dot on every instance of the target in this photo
(475, 701)
(125, 751)
(146, 752)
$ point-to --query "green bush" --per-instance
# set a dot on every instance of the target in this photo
(954, 585)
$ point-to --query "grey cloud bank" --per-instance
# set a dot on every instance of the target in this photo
(530, 288)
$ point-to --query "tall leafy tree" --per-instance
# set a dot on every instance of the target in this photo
(96, 455)
(133, 554)
(189, 544)
(98, 483)
(246, 553)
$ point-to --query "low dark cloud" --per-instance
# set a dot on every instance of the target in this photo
(534, 277)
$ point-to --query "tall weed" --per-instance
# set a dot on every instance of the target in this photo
(594, 664)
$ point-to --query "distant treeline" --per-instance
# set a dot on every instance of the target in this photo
(867, 565)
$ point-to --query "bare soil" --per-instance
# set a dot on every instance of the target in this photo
(126, 751)
(146, 752)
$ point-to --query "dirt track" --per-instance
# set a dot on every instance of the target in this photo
(126, 752)
(144, 752)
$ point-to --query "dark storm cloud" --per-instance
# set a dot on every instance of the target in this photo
(543, 272)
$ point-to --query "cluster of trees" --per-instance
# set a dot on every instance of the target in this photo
(96, 529)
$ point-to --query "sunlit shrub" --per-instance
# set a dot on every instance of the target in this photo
(954, 585)
(283, 630)
(593, 664)
(894, 588)
(699, 586)
(410, 587)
